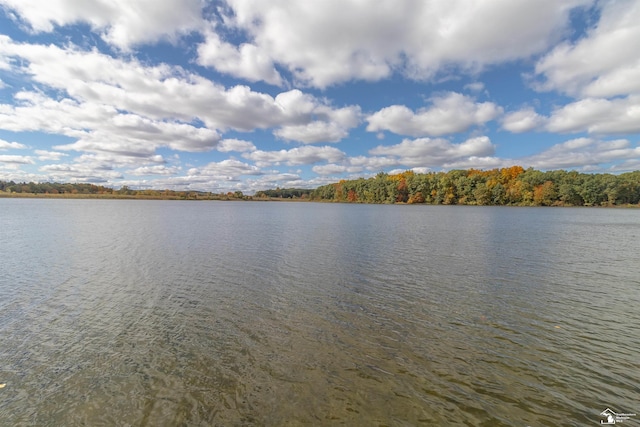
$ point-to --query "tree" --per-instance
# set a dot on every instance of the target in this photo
(544, 194)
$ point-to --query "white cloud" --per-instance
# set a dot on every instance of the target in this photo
(101, 86)
(310, 120)
(435, 152)
(44, 155)
(83, 170)
(295, 103)
(157, 92)
(155, 170)
(33, 111)
(120, 112)
(585, 153)
(598, 116)
(448, 114)
(421, 170)
(227, 145)
(122, 23)
(420, 154)
(605, 63)
(4, 62)
(313, 132)
(22, 160)
(476, 162)
(5, 145)
(375, 163)
(475, 87)
(286, 179)
(335, 169)
(101, 128)
(166, 93)
(333, 129)
(329, 169)
(246, 61)
(522, 120)
(305, 155)
(626, 166)
(229, 167)
(323, 43)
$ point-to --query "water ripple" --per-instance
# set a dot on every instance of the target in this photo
(163, 313)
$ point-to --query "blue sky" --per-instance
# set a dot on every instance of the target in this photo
(254, 94)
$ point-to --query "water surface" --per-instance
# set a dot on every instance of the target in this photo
(120, 312)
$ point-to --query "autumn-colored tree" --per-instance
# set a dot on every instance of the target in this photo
(506, 186)
(416, 198)
(510, 174)
(544, 194)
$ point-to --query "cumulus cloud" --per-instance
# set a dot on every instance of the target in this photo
(285, 179)
(82, 170)
(522, 120)
(246, 61)
(435, 152)
(476, 162)
(101, 128)
(161, 101)
(607, 87)
(23, 160)
(421, 155)
(333, 127)
(155, 170)
(588, 153)
(335, 169)
(598, 116)
(117, 113)
(44, 155)
(5, 145)
(448, 114)
(323, 43)
(231, 168)
(373, 163)
(227, 145)
(305, 155)
(33, 111)
(170, 93)
(122, 23)
(310, 120)
(158, 92)
(571, 68)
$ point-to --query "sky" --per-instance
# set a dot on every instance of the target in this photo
(247, 95)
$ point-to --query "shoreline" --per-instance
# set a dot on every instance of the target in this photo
(216, 197)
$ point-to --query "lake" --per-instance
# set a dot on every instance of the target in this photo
(165, 313)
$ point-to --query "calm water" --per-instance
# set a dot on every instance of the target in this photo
(154, 313)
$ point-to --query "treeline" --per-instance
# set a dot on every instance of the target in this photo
(99, 191)
(285, 193)
(53, 188)
(507, 186)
